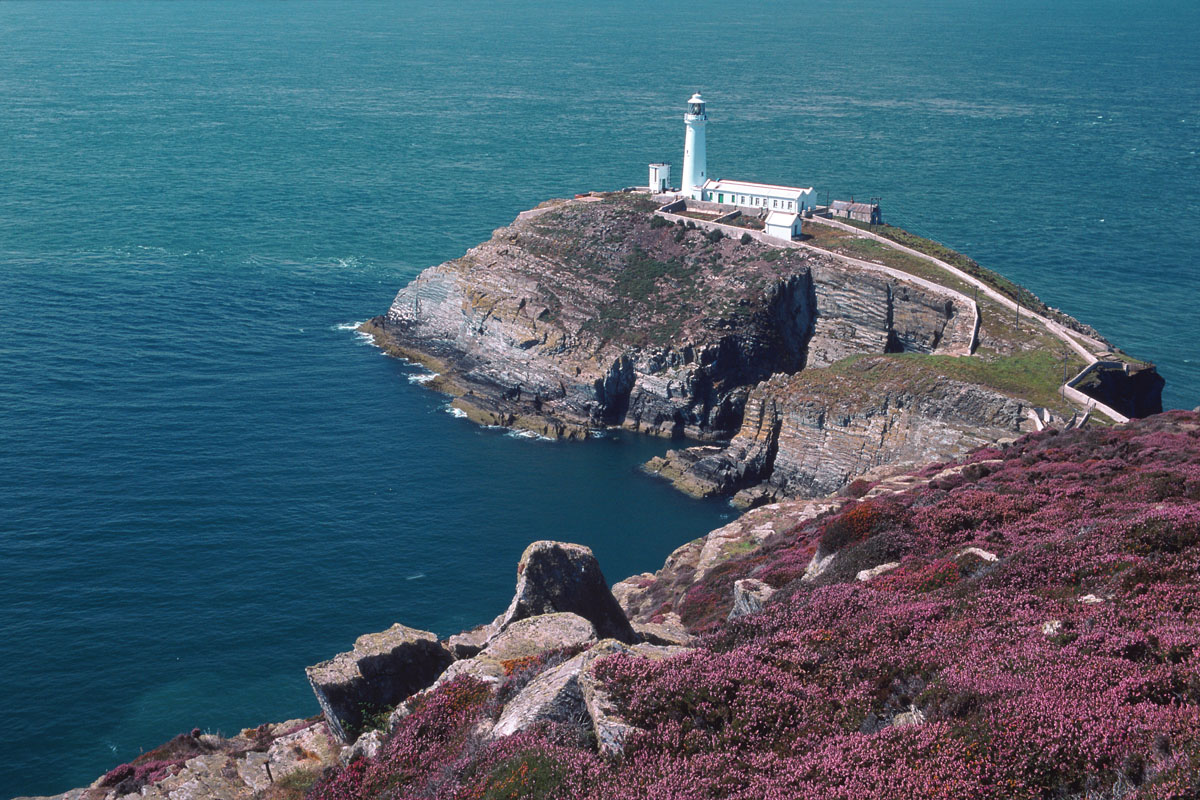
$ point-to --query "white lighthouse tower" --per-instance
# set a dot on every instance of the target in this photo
(695, 159)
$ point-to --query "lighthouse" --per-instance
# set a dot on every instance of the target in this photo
(695, 166)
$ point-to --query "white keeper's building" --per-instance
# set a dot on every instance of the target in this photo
(783, 206)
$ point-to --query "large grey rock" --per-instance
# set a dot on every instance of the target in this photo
(523, 639)
(671, 631)
(533, 636)
(382, 669)
(874, 572)
(571, 692)
(469, 643)
(749, 594)
(558, 576)
(366, 746)
(554, 695)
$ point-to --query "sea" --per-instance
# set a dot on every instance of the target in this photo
(209, 480)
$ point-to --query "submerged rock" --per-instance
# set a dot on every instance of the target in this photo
(381, 670)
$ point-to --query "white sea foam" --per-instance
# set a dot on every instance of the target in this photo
(598, 434)
(529, 435)
(363, 338)
(416, 577)
(422, 377)
(456, 412)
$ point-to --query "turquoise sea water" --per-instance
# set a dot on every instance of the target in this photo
(207, 482)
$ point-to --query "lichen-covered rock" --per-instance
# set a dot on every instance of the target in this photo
(533, 636)
(874, 572)
(554, 695)
(646, 598)
(610, 728)
(558, 576)
(669, 631)
(381, 670)
(749, 594)
(469, 643)
(366, 746)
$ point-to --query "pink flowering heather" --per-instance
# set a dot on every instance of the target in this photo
(1063, 661)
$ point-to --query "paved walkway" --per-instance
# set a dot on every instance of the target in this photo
(1071, 339)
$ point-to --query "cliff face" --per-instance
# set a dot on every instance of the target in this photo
(808, 434)
(591, 313)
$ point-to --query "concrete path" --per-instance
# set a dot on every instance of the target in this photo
(1089, 352)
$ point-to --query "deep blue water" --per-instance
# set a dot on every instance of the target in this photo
(206, 483)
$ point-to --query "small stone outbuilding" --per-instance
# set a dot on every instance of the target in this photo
(860, 212)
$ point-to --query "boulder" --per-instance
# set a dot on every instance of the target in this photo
(610, 727)
(527, 638)
(671, 631)
(875, 572)
(469, 643)
(908, 718)
(382, 669)
(533, 636)
(366, 746)
(749, 594)
(570, 691)
(558, 576)
(554, 695)
(817, 566)
(982, 555)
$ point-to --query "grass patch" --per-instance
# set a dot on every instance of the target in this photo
(1032, 375)
(968, 265)
(525, 777)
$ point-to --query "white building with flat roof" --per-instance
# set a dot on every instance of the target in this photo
(768, 196)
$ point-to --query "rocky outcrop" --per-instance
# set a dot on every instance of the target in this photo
(649, 598)
(586, 314)
(199, 766)
(749, 594)
(557, 576)
(807, 435)
(554, 695)
(381, 670)
(570, 692)
(533, 636)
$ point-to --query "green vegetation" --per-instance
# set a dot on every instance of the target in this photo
(1032, 375)
(293, 786)
(637, 281)
(526, 776)
(968, 265)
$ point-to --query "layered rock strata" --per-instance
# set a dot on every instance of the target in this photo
(588, 314)
(808, 434)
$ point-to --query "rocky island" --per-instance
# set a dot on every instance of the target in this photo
(811, 364)
(965, 573)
